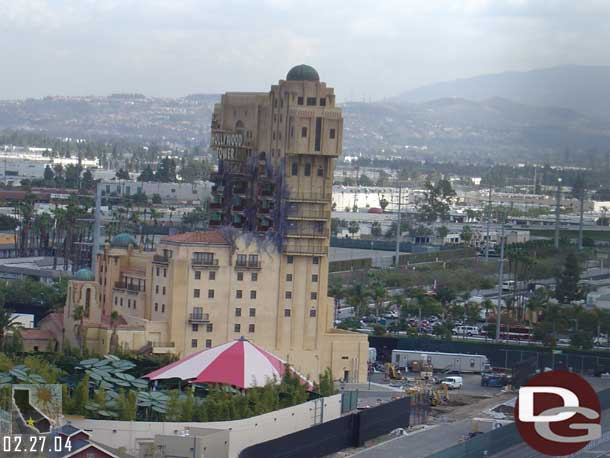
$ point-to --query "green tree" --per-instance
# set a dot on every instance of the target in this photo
(7, 322)
(466, 234)
(87, 181)
(567, 289)
(437, 201)
(353, 227)
(441, 233)
(376, 229)
(147, 174)
(122, 174)
(579, 191)
(48, 174)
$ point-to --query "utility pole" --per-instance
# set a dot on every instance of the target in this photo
(96, 226)
(535, 179)
(488, 224)
(557, 208)
(397, 259)
(500, 282)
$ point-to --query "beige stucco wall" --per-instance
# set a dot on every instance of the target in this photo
(242, 433)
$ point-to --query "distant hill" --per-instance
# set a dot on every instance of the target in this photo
(578, 87)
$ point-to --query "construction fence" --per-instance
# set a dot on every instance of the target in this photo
(351, 430)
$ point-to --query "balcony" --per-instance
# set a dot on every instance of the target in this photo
(127, 287)
(306, 232)
(306, 247)
(306, 196)
(199, 317)
(204, 263)
(308, 213)
(160, 259)
(249, 265)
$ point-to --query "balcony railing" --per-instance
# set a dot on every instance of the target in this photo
(199, 317)
(128, 287)
(249, 265)
(306, 232)
(204, 263)
(160, 259)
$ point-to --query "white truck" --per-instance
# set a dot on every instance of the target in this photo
(450, 362)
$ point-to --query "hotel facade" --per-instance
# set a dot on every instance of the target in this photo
(261, 271)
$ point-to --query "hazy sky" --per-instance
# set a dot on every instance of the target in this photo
(362, 48)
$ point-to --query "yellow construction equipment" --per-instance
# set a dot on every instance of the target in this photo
(392, 373)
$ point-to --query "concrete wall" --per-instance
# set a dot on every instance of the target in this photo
(242, 433)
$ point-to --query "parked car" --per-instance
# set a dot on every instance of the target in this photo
(466, 331)
(453, 383)
(494, 379)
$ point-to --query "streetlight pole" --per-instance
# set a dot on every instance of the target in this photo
(397, 259)
(500, 281)
(488, 224)
(557, 209)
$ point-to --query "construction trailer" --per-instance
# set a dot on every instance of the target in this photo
(446, 362)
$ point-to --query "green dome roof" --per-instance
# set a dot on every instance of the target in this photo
(123, 240)
(84, 275)
(302, 73)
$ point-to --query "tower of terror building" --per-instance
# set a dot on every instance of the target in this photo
(261, 271)
(276, 157)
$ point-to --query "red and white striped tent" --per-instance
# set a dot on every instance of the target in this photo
(239, 363)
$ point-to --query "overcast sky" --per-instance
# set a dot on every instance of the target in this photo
(368, 49)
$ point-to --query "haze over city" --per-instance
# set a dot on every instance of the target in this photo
(370, 50)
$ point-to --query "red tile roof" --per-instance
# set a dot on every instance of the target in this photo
(211, 237)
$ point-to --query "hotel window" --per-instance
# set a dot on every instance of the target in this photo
(316, 260)
(242, 260)
(157, 271)
(209, 327)
(210, 294)
(314, 296)
(312, 313)
(162, 308)
(300, 100)
(240, 276)
(196, 292)
(236, 327)
(314, 278)
(134, 304)
(252, 312)
(121, 302)
(164, 290)
(307, 169)
(252, 294)
(303, 131)
(128, 303)
(291, 131)
(320, 171)
(208, 343)
(212, 275)
(311, 101)
(165, 272)
(238, 294)
(295, 169)
(203, 258)
(254, 276)
(156, 306)
(274, 135)
(197, 275)
(116, 300)
(322, 102)
(288, 294)
(195, 328)
(250, 328)
(238, 311)
(193, 343)
(287, 313)
(290, 259)
(288, 277)
(157, 289)
(332, 133)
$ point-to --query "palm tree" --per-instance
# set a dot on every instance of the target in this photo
(379, 295)
(358, 297)
(7, 322)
